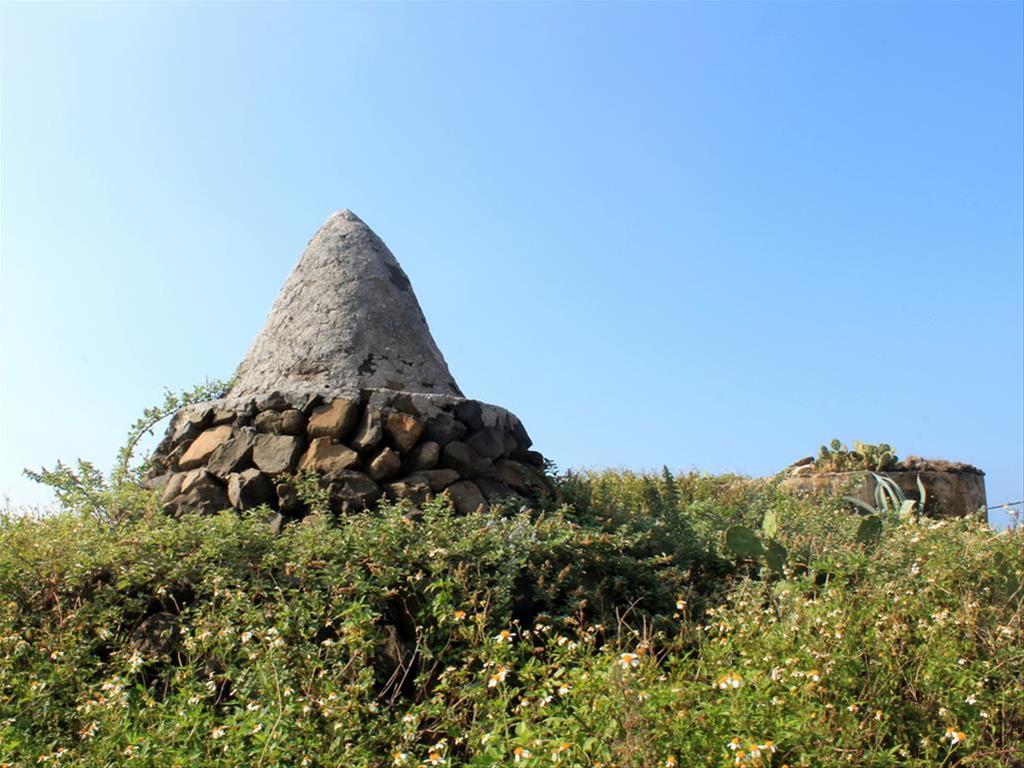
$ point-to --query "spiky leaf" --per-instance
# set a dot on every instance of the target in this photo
(862, 507)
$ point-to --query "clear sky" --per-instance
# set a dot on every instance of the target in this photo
(702, 235)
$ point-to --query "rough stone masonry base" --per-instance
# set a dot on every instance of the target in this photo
(379, 444)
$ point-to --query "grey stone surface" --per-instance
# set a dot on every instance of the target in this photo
(275, 454)
(234, 455)
(466, 497)
(370, 431)
(464, 460)
(249, 489)
(491, 443)
(437, 479)
(423, 456)
(350, 490)
(346, 320)
(414, 489)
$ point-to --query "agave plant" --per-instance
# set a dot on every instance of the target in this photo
(890, 499)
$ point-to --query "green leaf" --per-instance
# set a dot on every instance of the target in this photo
(770, 526)
(869, 530)
(743, 542)
(775, 556)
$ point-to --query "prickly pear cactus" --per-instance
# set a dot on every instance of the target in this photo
(837, 457)
(743, 543)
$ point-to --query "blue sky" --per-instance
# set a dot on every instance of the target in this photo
(708, 235)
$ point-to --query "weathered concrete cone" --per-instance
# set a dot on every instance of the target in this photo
(346, 320)
(345, 381)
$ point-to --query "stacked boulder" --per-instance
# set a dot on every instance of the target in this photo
(346, 385)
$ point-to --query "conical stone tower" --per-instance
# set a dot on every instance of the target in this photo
(345, 381)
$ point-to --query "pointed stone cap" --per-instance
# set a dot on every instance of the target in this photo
(346, 320)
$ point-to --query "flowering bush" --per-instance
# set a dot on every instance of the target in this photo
(615, 630)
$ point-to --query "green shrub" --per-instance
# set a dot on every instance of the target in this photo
(626, 628)
(211, 641)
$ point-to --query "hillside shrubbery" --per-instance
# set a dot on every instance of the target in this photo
(614, 629)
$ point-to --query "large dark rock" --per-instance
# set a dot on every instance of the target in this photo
(464, 460)
(249, 489)
(437, 479)
(444, 428)
(201, 492)
(466, 497)
(350, 490)
(423, 456)
(234, 455)
(491, 443)
(370, 432)
(411, 489)
(287, 422)
(470, 413)
(276, 454)
(495, 491)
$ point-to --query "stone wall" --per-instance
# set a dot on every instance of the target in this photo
(378, 444)
(953, 490)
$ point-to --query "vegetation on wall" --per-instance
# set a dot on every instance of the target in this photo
(837, 457)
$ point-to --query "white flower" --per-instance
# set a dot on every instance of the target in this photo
(954, 736)
(627, 660)
(497, 677)
(730, 680)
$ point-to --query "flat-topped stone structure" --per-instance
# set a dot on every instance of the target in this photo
(345, 381)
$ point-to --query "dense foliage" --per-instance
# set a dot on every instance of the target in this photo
(616, 629)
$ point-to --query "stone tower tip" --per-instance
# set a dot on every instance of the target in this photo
(346, 320)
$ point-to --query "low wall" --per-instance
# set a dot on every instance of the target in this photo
(949, 493)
